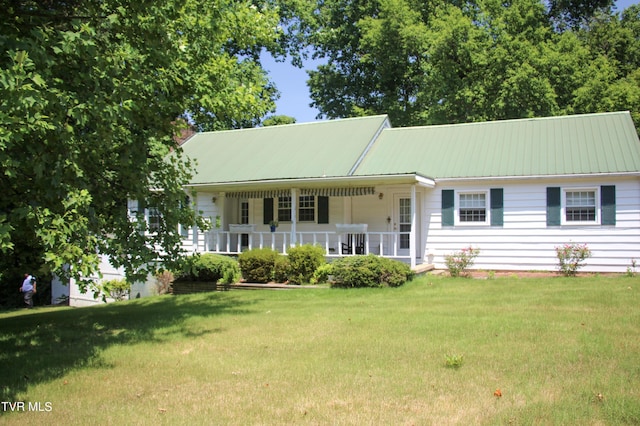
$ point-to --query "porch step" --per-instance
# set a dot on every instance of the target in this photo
(423, 268)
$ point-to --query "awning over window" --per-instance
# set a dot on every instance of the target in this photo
(339, 192)
(323, 192)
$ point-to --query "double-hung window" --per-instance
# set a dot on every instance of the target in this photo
(307, 208)
(472, 207)
(284, 209)
(580, 206)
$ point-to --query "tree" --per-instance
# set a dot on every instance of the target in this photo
(89, 97)
(278, 120)
(448, 62)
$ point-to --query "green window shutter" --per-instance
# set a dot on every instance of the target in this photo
(323, 209)
(267, 210)
(448, 197)
(553, 206)
(497, 207)
(608, 205)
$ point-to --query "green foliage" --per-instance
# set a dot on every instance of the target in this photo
(458, 262)
(303, 262)
(257, 265)
(278, 120)
(322, 274)
(571, 257)
(448, 62)
(453, 361)
(281, 269)
(211, 267)
(117, 289)
(369, 271)
(90, 99)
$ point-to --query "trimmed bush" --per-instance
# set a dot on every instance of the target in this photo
(321, 275)
(209, 267)
(303, 261)
(117, 289)
(257, 265)
(281, 269)
(369, 271)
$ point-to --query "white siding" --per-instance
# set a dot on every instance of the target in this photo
(525, 242)
(76, 298)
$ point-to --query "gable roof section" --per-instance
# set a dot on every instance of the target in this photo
(578, 144)
(310, 150)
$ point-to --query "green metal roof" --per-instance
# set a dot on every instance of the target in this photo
(310, 150)
(578, 144)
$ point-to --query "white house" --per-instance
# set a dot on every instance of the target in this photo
(514, 189)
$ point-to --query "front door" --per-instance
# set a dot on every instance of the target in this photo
(244, 219)
(402, 223)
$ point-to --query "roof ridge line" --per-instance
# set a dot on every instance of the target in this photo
(385, 125)
(513, 120)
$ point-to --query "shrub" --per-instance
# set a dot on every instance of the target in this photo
(303, 261)
(322, 274)
(458, 262)
(281, 269)
(209, 267)
(117, 289)
(257, 265)
(571, 258)
(163, 281)
(369, 271)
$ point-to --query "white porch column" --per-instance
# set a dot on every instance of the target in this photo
(294, 215)
(220, 205)
(194, 229)
(414, 222)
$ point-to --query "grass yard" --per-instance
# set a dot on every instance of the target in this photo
(559, 350)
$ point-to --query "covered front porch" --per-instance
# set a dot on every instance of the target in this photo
(347, 218)
(336, 243)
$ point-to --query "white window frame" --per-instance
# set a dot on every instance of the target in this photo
(303, 199)
(457, 208)
(281, 205)
(563, 203)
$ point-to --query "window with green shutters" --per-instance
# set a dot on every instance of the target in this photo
(308, 205)
(472, 207)
(581, 206)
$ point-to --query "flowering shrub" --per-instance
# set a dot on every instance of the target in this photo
(458, 262)
(571, 258)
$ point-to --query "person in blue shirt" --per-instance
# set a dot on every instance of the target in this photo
(28, 289)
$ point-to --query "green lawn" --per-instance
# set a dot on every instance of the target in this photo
(560, 350)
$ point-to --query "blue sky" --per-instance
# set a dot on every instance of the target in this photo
(292, 83)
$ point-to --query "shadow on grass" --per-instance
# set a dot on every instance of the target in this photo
(42, 345)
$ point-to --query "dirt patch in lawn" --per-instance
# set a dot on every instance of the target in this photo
(530, 274)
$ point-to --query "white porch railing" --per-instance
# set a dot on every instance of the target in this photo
(386, 244)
